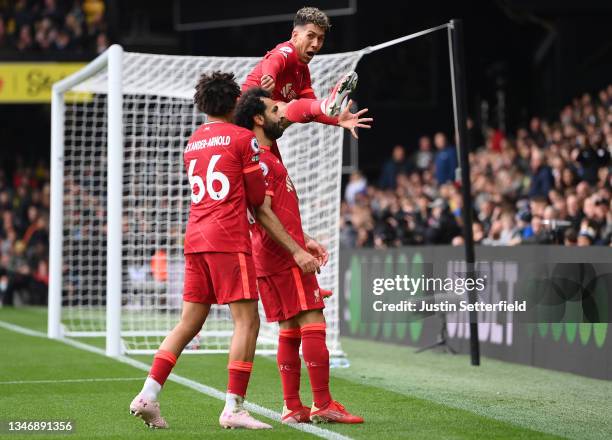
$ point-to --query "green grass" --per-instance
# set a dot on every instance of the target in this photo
(400, 394)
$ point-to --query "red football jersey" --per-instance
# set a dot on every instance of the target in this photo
(292, 77)
(269, 256)
(216, 158)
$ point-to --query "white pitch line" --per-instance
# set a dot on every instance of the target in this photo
(197, 386)
(107, 379)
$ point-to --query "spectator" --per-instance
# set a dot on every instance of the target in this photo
(508, 232)
(478, 232)
(540, 234)
(585, 238)
(458, 241)
(535, 131)
(441, 224)
(393, 167)
(446, 160)
(74, 26)
(62, 41)
(542, 179)
(495, 137)
(591, 159)
(46, 33)
(357, 184)
(101, 43)
(570, 237)
(424, 156)
(524, 224)
(25, 43)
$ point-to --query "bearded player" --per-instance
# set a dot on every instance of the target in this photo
(221, 160)
(286, 260)
(285, 74)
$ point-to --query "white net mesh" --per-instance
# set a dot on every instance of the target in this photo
(159, 116)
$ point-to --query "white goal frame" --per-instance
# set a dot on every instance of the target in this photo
(112, 59)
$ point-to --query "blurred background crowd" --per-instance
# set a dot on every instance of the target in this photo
(75, 26)
(548, 183)
(24, 232)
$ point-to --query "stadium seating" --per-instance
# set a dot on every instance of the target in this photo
(547, 184)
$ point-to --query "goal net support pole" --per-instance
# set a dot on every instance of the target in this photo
(114, 202)
(458, 81)
(112, 59)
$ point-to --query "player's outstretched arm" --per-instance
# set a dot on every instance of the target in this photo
(351, 121)
(276, 230)
(307, 110)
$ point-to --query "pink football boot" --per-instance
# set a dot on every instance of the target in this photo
(332, 105)
(240, 419)
(148, 411)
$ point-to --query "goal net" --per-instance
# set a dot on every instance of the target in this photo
(155, 94)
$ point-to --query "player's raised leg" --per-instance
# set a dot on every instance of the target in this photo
(332, 105)
(316, 356)
(240, 363)
(146, 404)
(306, 110)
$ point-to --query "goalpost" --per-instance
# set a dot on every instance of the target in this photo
(120, 197)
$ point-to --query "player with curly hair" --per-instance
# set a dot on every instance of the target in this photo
(222, 163)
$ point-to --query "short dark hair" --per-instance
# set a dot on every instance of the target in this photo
(249, 105)
(312, 15)
(571, 235)
(216, 93)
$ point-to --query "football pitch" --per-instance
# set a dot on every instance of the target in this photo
(400, 394)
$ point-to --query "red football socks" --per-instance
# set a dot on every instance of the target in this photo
(316, 356)
(239, 374)
(307, 110)
(289, 366)
(163, 362)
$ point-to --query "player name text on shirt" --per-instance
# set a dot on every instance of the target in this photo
(217, 141)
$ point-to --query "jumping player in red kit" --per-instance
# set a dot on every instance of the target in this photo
(286, 260)
(285, 74)
(222, 163)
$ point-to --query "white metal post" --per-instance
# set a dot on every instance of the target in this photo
(56, 233)
(57, 215)
(451, 57)
(114, 202)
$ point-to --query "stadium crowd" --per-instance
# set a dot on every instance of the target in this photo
(24, 233)
(550, 183)
(37, 26)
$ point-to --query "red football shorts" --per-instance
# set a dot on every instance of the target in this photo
(219, 278)
(287, 293)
